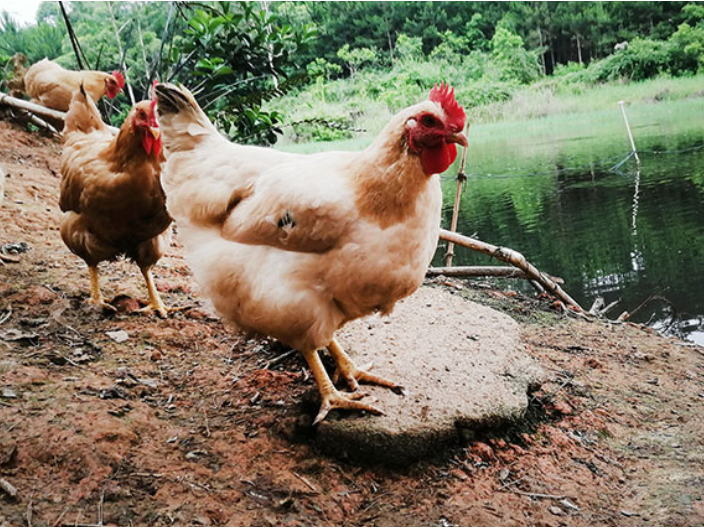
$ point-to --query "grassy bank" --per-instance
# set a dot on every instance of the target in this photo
(547, 104)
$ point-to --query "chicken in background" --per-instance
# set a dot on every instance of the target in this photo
(50, 85)
(15, 84)
(295, 246)
(111, 192)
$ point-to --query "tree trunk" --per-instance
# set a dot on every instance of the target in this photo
(579, 49)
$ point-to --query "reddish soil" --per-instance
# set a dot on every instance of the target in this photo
(183, 423)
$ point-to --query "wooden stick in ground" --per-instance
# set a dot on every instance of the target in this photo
(461, 178)
(622, 104)
(514, 258)
(504, 272)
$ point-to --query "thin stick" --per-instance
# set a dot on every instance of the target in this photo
(119, 49)
(461, 178)
(72, 36)
(622, 104)
(280, 358)
(42, 124)
(8, 488)
(58, 520)
(306, 482)
(537, 495)
(514, 258)
(507, 272)
(100, 508)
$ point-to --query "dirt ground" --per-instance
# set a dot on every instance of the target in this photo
(187, 423)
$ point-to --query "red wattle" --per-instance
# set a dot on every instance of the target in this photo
(150, 143)
(437, 160)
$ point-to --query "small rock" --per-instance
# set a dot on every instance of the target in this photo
(119, 336)
(112, 393)
(172, 440)
(555, 510)
(627, 513)
(569, 504)
(156, 356)
(9, 394)
(12, 334)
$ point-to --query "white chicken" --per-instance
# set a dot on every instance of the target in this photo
(295, 246)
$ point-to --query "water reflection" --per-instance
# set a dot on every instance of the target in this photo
(628, 233)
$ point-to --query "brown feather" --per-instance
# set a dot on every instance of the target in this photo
(110, 190)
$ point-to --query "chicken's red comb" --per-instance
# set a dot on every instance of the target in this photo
(444, 95)
(119, 78)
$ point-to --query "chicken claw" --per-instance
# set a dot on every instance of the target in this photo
(338, 400)
(347, 370)
(331, 397)
(156, 305)
(159, 309)
(96, 297)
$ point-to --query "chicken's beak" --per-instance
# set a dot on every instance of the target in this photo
(155, 132)
(458, 138)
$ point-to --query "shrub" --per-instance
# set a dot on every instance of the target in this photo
(643, 59)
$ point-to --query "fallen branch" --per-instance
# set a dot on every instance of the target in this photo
(506, 272)
(514, 258)
(43, 111)
(40, 110)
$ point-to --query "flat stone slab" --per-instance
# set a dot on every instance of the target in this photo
(463, 368)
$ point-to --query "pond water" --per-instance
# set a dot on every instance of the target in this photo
(548, 188)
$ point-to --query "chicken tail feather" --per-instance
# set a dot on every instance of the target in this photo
(82, 115)
(181, 119)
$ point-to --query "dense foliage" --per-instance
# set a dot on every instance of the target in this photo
(240, 57)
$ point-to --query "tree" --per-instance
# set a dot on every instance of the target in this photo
(235, 56)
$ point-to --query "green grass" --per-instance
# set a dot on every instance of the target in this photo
(544, 107)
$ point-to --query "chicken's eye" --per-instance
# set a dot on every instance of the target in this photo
(429, 121)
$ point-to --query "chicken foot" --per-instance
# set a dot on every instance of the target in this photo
(347, 370)
(331, 397)
(155, 305)
(96, 297)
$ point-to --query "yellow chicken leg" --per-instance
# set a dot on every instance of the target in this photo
(155, 305)
(331, 397)
(96, 297)
(347, 370)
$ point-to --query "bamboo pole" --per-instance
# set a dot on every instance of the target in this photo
(504, 272)
(622, 104)
(461, 178)
(514, 258)
(40, 110)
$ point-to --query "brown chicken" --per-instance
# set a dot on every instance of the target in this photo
(111, 192)
(50, 85)
(295, 246)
